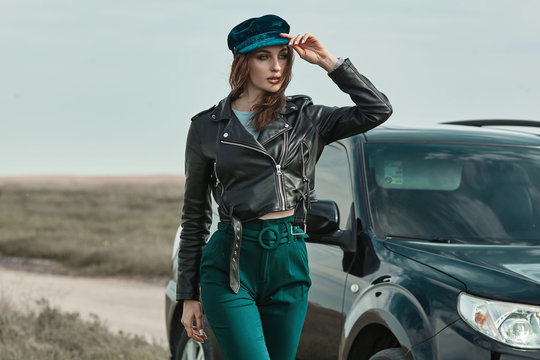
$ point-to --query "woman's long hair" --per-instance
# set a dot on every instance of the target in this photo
(268, 108)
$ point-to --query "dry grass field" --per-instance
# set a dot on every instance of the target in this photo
(50, 334)
(122, 225)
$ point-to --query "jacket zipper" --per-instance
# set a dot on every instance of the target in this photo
(304, 176)
(279, 173)
(218, 183)
(304, 161)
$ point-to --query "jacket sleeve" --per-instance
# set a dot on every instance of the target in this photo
(372, 106)
(196, 217)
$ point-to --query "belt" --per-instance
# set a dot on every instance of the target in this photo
(268, 237)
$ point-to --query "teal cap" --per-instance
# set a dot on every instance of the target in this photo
(256, 33)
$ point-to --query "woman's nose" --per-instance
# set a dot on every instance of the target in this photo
(275, 65)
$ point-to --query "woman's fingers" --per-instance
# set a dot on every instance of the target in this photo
(199, 321)
(293, 40)
(194, 332)
(308, 47)
(198, 334)
(192, 311)
(304, 38)
(300, 39)
(187, 325)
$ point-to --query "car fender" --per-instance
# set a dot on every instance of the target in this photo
(393, 307)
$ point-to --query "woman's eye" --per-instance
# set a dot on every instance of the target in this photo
(263, 57)
(283, 56)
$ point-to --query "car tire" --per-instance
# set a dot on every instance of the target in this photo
(189, 349)
(389, 354)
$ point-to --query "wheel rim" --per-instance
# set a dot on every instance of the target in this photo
(193, 351)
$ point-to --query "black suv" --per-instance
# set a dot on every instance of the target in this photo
(423, 244)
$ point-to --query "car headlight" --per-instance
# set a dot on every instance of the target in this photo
(513, 324)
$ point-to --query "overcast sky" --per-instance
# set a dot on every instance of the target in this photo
(109, 87)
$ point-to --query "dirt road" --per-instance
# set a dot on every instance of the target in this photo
(135, 307)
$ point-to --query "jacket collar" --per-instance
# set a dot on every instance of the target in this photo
(223, 110)
(236, 132)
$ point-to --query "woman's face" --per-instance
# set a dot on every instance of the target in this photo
(266, 66)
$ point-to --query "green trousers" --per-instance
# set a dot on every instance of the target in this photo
(264, 320)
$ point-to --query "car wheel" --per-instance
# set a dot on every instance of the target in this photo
(389, 354)
(189, 349)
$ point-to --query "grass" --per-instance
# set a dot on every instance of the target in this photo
(93, 227)
(51, 334)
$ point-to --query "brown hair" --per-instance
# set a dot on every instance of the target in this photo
(271, 104)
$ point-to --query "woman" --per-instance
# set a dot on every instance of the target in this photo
(256, 152)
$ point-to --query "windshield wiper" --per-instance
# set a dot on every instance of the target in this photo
(435, 239)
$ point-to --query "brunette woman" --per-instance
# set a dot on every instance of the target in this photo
(256, 152)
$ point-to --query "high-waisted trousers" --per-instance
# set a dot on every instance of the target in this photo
(265, 318)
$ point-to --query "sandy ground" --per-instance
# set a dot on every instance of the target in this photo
(132, 306)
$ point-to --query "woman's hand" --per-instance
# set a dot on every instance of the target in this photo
(312, 50)
(192, 311)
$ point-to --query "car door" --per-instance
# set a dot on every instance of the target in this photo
(324, 321)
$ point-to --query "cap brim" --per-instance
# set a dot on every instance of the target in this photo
(264, 43)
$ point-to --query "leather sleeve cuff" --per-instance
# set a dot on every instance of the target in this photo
(339, 63)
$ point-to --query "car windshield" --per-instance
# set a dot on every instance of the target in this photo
(470, 194)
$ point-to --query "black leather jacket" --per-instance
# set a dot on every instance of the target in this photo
(250, 178)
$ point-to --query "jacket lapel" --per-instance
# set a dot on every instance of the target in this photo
(274, 129)
(235, 132)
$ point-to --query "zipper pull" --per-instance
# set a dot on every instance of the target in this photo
(278, 168)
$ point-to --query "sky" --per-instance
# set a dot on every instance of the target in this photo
(109, 87)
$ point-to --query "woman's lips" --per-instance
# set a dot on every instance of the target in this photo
(274, 80)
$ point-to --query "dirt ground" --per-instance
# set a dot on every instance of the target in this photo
(133, 306)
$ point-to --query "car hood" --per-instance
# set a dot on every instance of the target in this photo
(502, 272)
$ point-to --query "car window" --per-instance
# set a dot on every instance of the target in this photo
(332, 180)
(452, 191)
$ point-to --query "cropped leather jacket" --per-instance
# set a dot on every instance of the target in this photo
(250, 178)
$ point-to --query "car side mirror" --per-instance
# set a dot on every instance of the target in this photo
(323, 226)
(323, 217)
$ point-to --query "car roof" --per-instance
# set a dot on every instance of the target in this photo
(442, 133)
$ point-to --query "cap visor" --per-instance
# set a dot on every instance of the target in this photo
(264, 43)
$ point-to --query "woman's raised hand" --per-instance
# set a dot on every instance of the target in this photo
(312, 50)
